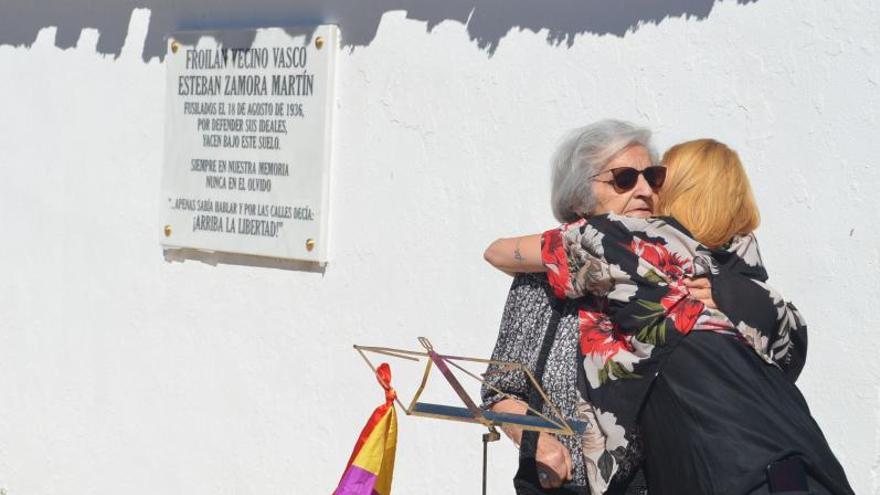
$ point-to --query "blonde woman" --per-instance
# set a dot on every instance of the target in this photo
(711, 392)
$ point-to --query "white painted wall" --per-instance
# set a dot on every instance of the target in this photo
(123, 373)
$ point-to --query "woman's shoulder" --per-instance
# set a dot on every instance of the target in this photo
(746, 248)
(659, 231)
(742, 256)
(657, 225)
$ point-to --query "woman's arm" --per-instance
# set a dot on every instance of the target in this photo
(571, 255)
(786, 332)
(789, 344)
(516, 254)
(743, 294)
(523, 325)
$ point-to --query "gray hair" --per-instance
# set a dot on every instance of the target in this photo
(581, 155)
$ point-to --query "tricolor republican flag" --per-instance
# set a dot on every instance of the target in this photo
(371, 465)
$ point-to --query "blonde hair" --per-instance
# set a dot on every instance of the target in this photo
(708, 191)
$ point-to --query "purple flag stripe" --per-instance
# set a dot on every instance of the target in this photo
(357, 481)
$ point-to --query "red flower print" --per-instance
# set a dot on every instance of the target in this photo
(555, 258)
(681, 308)
(658, 256)
(598, 337)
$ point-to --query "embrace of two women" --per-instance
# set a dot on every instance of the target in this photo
(647, 317)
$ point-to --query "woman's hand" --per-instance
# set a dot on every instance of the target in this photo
(701, 290)
(553, 460)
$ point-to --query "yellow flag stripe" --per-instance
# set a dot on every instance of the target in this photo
(377, 453)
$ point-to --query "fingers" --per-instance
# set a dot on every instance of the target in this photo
(704, 296)
(701, 290)
(553, 461)
(697, 283)
(700, 294)
(548, 478)
(567, 457)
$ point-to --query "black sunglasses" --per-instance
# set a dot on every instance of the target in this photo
(625, 178)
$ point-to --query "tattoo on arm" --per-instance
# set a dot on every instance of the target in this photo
(516, 254)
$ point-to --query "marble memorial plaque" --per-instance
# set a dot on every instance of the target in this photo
(248, 141)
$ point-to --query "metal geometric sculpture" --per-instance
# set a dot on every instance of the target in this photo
(471, 413)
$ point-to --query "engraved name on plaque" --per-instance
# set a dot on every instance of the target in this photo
(248, 142)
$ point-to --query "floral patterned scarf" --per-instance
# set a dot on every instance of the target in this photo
(637, 266)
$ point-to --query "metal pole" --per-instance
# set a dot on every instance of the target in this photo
(485, 450)
(490, 436)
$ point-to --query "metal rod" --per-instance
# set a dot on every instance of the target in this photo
(376, 373)
(490, 436)
(485, 450)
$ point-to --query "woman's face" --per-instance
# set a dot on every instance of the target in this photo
(639, 201)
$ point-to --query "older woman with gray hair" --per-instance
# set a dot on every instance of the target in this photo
(606, 167)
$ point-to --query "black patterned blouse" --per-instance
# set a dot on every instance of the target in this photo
(523, 325)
